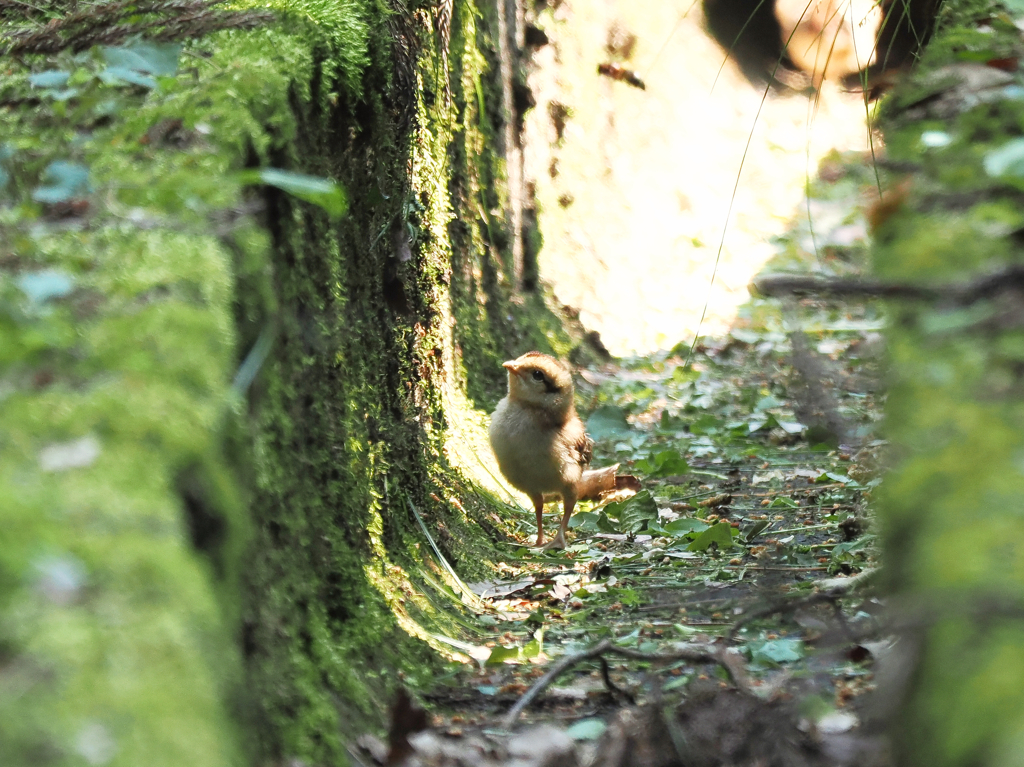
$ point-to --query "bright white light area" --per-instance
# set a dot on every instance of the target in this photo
(646, 178)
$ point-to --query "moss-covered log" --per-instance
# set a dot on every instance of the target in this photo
(223, 405)
(951, 511)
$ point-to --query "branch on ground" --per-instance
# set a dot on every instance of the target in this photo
(836, 589)
(731, 662)
(962, 293)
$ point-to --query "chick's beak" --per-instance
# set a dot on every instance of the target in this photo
(511, 367)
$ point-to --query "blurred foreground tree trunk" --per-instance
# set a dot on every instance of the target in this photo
(952, 508)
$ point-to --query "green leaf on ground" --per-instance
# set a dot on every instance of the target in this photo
(159, 59)
(679, 527)
(767, 402)
(675, 683)
(1007, 160)
(745, 336)
(831, 476)
(851, 547)
(501, 654)
(772, 652)
(632, 514)
(587, 729)
(628, 597)
(123, 75)
(755, 530)
(51, 78)
(706, 424)
(606, 422)
(667, 463)
(45, 284)
(682, 374)
(65, 181)
(534, 647)
(720, 535)
(585, 521)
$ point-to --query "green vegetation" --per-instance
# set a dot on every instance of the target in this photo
(223, 400)
(253, 277)
(742, 505)
(950, 510)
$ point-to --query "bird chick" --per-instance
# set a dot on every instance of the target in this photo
(540, 442)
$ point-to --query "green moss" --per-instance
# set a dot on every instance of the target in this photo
(950, 510)
(344, 25)
(239, 573)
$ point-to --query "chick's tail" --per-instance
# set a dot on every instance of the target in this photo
(599, 482)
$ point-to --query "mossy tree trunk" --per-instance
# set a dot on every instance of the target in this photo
(952, 509)
(223, 408)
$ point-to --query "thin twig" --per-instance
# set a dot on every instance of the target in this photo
(830, 595)
(801, 529)
(557, 669)
(769, 568)
(783, 607)
(720, 656)
(788, 284)
(467, 594)
(960, 293)
(614, 689)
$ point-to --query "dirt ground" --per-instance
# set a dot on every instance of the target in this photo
(635, 188)
(723, 614)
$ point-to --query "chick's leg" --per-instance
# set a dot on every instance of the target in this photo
(568, 504)
(538, 506)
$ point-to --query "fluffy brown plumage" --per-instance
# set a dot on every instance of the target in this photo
(540, 443)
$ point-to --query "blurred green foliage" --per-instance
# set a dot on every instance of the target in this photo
(123, 519)
(950, 510)
(118, 344)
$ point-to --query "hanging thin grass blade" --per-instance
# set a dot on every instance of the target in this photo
(319, 191)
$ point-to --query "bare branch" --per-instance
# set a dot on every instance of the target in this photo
(731, 662)
(836, 589)
(1011, 278)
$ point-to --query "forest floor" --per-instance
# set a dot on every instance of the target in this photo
(757, 452)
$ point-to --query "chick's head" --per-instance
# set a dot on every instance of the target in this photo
(540, 381)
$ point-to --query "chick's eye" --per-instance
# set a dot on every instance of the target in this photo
(538, 376)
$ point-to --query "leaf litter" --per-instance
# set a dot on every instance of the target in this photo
(749, 542)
